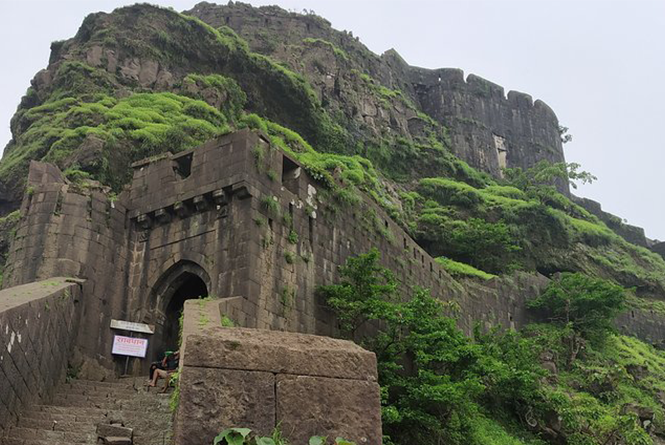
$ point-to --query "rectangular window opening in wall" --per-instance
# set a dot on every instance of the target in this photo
(270, 224)
(405, 243)
(431, 267)
(291, 207)
(290, 175)
(182, 165)
(415, 253)
(311, 231)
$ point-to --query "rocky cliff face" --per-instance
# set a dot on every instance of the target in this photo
(486, 128)
(336, 93)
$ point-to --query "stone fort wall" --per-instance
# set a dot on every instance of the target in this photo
(246, 220)
(488, 129)
(38, 325)
(70, 231)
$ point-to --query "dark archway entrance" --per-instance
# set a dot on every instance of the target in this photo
(191, 286)
(183, 281)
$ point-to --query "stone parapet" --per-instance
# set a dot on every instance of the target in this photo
(305, 384)
(38, 326)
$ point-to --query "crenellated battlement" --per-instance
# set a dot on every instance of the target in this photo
(489, 129)
(454, 78)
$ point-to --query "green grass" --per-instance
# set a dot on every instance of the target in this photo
(339, 53)
(141, 124)
(10, 218)
(457, 269)
(488, 431)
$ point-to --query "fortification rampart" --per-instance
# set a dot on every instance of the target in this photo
(38, 326)
(68, 230)
(630, 233)
(488, 129)
(232, 218)
(305, 384)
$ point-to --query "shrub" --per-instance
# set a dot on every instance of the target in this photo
(587, 304)
(244, 436)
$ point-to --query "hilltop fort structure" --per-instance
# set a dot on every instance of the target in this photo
(210, 223)
(238, 231)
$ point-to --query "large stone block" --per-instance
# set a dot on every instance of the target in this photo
(308, 406)
(280, 353)
(214, 399)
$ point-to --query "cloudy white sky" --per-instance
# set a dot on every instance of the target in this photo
(599, 64)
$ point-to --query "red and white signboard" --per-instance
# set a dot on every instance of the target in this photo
(133, 347)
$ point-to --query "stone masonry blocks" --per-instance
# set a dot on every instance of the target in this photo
(281, 353)
(239, 377)
(37, 329)
(341, 408)
(214, 399)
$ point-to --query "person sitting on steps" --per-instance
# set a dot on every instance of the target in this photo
(169, 365)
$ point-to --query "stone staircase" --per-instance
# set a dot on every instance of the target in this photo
(82, 411)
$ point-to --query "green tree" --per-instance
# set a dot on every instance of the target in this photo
(485, 245)
(539, 182)
(583, 306)
(589, 305)
(364, 293)
(433, 377)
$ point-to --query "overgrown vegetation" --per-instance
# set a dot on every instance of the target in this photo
(569, 379)
(244, 436)
(451, 209)
(525, 223)
(120, 131)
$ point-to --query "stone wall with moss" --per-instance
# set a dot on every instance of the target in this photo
(250, 221)
(74, 229)
(39, 323)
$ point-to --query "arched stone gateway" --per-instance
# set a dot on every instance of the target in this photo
(182, 281)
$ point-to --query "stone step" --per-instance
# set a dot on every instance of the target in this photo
(128, 383)
(48, 435)
(42, 416)
(78, 407)
(59, 397)
(57, 425)
(97, 390)
(108, 404)
(70, 410)
(14, 441)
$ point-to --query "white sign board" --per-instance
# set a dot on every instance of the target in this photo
(133, 327)
(133, 347)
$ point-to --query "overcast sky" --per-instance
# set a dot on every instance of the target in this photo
(599, 64)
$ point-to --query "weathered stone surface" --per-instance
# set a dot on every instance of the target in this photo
(630, 233)
(234, 246)
(214, 399)
(473, 109)
(659, 248)
(308, 406)
(38, 325)
(115, 440)
(111, 430)
(280, 352)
